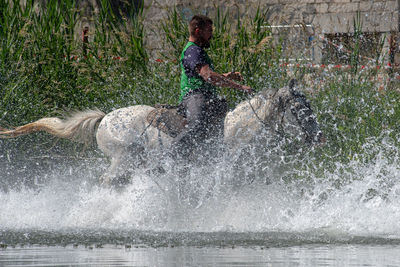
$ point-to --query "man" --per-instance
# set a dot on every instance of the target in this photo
(198, 98)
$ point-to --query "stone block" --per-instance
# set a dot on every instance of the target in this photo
(378, 6)
(365, 6)
(385, 6)
(392, 6)
(271, 2)
(288, 2)
(380, 21)
(297, 13)
(310, 9)
(343, 22)
(321, 8)
(343, 7)
(332, 23)
(163, 3)
(155, 14)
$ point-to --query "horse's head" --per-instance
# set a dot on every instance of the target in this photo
(297, 117)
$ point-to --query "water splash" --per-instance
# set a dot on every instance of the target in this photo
(355, 199)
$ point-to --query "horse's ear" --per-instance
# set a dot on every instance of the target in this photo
(293, 83)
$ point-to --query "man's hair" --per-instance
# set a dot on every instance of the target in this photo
(199, 21)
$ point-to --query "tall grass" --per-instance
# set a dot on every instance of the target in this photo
(44, 69)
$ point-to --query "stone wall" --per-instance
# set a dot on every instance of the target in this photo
(321, 16)
(327, 15)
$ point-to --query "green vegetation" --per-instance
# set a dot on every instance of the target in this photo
(45, 69)
(359, 108)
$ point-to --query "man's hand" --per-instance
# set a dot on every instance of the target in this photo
(247, 89)
(236, 76)
(222, 80)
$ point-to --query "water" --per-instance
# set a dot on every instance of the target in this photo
(306, 255)
(215, 214)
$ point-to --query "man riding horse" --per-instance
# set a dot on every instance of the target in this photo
(199, 102)
(135, 131)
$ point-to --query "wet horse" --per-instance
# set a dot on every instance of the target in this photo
(127, 131)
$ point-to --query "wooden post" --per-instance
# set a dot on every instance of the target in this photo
(85, 40)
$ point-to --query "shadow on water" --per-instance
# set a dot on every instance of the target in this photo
(100, 237)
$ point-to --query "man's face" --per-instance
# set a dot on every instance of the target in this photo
(205, 36)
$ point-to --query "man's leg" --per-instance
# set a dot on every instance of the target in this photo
(216, 108)
(194, 110)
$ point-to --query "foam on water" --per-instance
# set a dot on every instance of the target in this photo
(362, 202)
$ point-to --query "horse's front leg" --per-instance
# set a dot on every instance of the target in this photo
(123, 164)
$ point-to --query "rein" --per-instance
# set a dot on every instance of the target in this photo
(147, 127)
(255, 113)
(258, 117)
(263, 122)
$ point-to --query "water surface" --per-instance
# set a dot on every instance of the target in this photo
(306, 255)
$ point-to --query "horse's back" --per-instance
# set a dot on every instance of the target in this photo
(122, 127)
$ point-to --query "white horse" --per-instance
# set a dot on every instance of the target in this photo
(127, 131)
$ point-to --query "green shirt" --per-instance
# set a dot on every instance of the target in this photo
(192, 56)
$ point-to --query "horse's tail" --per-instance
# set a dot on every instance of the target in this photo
(80, 127)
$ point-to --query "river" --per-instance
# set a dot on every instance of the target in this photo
(215, 214)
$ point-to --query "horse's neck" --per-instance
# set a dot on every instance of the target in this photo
(263, 99)
(268, 103)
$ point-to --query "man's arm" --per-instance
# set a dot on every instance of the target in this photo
(220, 80)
